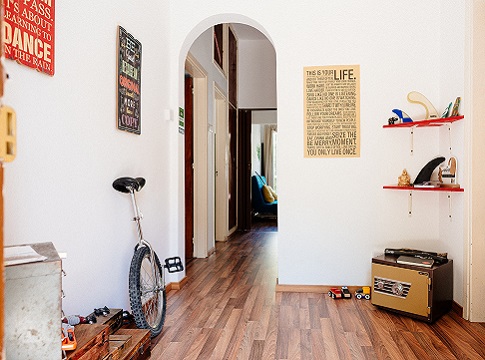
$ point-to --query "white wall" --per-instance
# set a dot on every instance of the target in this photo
(259, 119)
(264, 117)
(341, 216)
(257, 74)
(452, 84)
(344, 215)
(58, 188)
(256, 150)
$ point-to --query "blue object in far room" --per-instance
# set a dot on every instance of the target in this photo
(260, 205)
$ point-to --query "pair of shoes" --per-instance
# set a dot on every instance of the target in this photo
(402, 116)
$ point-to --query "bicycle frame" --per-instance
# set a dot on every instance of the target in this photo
(146, 282)
(142, 242)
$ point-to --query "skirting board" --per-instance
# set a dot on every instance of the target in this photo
(319, 289)
(176, 285)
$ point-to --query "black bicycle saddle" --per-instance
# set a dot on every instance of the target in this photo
(127, 184)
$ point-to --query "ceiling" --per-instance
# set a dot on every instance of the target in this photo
(246, 32)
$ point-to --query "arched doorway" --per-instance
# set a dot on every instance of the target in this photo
(217, 144)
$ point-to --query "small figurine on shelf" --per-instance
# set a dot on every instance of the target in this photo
(392, 120)
(404, 179)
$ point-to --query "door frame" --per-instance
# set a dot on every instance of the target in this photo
(189, 168)
(245, 168)
(221, 190)
(474, 232)
(201, 207)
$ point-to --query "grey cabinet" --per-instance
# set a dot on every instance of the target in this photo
(33, 307)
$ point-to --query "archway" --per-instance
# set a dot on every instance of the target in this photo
(208, 140)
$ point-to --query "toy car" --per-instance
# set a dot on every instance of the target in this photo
(346, 293)
(363, 292)
(335, 293)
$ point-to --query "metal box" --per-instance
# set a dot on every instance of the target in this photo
(419, 292)
(33, 307)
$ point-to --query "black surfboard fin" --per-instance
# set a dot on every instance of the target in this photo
(425, 173)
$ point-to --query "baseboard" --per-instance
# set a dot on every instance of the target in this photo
(457, 308)
(318, 289)
(176, 285)
(211, 251)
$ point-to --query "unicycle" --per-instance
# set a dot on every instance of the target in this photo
(148, 298)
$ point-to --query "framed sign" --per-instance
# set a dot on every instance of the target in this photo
(332, 111)
(28, 33)
(129, 82)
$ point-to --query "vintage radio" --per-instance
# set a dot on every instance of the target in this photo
(424, 293)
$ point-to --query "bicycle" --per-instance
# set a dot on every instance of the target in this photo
(148, 298)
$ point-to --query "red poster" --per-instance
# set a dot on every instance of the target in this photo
(28, 33)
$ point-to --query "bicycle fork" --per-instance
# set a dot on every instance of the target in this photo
(160, 280)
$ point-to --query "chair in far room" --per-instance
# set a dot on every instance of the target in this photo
(265, 205)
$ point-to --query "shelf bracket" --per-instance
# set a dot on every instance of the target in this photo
(412, 140)
(410, 204)
(449, 135)
(449, 207)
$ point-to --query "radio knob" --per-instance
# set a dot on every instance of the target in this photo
(380, 284)
(397, 289)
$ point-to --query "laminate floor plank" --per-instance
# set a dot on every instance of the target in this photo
(228, 309)
(355, 348)
(226, 335)
(318, 344)
(329, 340)
(306, 344)
(257, 350)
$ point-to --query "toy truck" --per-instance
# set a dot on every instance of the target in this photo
(363, 293)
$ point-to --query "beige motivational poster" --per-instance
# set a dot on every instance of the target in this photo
(332, 111)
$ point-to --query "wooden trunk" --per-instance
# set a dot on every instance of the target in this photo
(118, 344)
(140, 347)
(114, 320)
(92, 342)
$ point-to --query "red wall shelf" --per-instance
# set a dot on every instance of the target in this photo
(428, 123)
(412, 188)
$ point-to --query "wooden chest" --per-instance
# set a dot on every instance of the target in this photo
(114, 320)
(92, 342)
(118, 344)
(140, 347)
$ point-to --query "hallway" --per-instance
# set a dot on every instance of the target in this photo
(228, 309)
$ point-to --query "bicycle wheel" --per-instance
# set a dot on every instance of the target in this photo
(148, 299)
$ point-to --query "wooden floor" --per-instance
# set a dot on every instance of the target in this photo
(229, 310)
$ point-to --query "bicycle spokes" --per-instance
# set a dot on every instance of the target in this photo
(147, 291)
